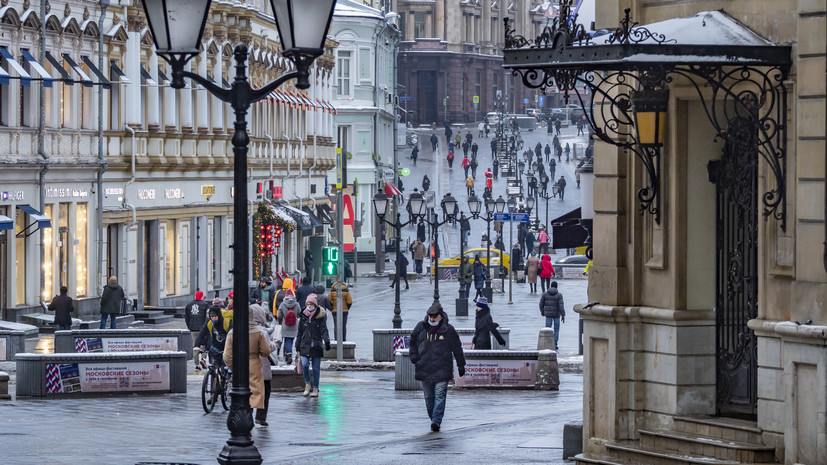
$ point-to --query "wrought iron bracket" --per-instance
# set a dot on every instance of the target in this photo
(748, 89)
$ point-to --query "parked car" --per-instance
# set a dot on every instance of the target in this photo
(470, 253)
(578, 260)
(493, 118)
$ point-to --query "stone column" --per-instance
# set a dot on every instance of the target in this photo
(202, 117)
(409, 26)
(429, 27)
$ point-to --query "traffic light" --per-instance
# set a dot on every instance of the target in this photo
(330, 261)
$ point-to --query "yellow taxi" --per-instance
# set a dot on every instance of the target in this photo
(497, 258)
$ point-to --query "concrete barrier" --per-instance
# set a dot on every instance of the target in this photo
(572, 440)
(68, 375)
(285, 379)
(383, 341)
(545, 341)
(123, 340)
(493, 369)
(12, 342)
(348, 349)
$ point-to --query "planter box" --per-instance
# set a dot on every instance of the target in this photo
(123, 340)
(11, 343)
(383, 341)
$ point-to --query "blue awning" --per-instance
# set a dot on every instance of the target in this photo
(25, 79)
(44, 75)
(6, 223)
(42, 220)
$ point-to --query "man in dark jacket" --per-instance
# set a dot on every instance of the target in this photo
(433, 342)
(111, 302)
(304, 290)
(195, 314)
(263, 293)
(551, 307)
(401, 269)
(63, 307)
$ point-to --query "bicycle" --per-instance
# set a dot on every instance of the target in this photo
(215, 384)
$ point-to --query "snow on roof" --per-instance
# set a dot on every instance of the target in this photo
(705, 28)
(353, 9)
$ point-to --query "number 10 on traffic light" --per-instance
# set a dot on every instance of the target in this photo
(330, 256)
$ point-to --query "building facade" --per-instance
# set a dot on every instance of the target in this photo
(163, 208)
(365, 101)
(715, 306)
(452, 52)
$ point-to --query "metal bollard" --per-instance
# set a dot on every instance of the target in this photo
(580, 339)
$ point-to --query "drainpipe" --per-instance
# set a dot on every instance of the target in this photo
(101, 158)
(315, 132)
(301, 167)
(825, 201)
(132, 179)
(41, 147)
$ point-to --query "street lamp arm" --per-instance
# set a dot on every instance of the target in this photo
(263, 92)
(225, 95)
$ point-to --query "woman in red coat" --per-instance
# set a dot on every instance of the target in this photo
(546, 272)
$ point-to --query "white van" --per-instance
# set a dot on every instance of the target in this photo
(493, 118)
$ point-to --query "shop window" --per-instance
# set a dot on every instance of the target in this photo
(343, 73)
(402, 26)
(169, 258)
(48, 257)
(66, 106)
(19, 256)
(184, 257)
(81, 248)
(63, 245)
(89, 111)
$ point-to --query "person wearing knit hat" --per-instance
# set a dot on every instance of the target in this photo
(311, 342)
(195, 315)
(217, 302)
(484, 327)
(433, 343)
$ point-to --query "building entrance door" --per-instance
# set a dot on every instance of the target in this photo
(736, 179)
(427, 110)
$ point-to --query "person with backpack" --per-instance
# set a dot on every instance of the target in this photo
(214, 334)
(311, 342)
(451, 159)
(287, 312)
(347, 302)
(546, 272)
(466, 164)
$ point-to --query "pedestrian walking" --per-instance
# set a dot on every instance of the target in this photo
(258, 347)
(465, 229)
(498, 244)
(304, 290)
(466, 164)
(543, 238)
(469, 184)
(111, 301)
(494, 148)
(426, 183)
(546, 272)
(434, 141)
(489, 181)
(480, 271)
(458, 139)
(63, 307)
(466, 275)
(529, 242)
(451, 160)
(469, 137)
(260, 317)
(551, 307)
(433, 343)
(474, 149)
(474, 166)
(288, 313)
(347, 302)
(262, 293)
(419, 251)
(561, 184)
(532, 266)
(401, 269)
(496, 167)
(547, 151)
(308, 264)
(538, 151)
(466, 146)
(195, 315)
(558, 150)
(557, 125)
(487, 129)
(480, 129)
(420, 231)
(580, 124)
(415, 154)
(552, 169)
(568, 151)
(311, 342)
(484, 327)
(451, 146)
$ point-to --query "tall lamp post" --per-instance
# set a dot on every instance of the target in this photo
(491, 206)
(381, 203)
(461, 304)
(544, 181)
(512, 207)
(448, 203)
(177, 28)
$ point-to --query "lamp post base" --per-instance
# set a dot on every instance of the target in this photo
(239, 455)
(488, 291)
(462, 306)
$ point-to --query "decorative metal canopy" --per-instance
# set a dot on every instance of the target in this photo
(738, 75)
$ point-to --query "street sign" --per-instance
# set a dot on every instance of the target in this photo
(540, 101)
(405, 99)
(521, 217)
(387, 173)
(502, 216)
(525, 101)
(476, 99)
(338, 168)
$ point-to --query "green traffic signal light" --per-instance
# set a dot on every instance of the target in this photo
(330, 257)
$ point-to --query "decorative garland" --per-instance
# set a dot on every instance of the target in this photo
(267, 215)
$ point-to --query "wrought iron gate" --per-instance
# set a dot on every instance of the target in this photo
(736, 178)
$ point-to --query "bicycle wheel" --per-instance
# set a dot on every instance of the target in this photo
(208, 391)
(225, 392)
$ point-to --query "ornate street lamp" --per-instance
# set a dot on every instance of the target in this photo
(475, 207)
(529, 203)
(177, 27)
(448, 204)
(649, 107)
(587, 203)
(381, 203)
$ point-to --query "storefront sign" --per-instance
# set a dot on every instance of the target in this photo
(13, 196)
(173, 193)
(497, 373)
(124, 344)
(146, 194)
(208, 190)
(113, 191)
(105, 377)
(3, 349)
(574, 273)
(66, 193)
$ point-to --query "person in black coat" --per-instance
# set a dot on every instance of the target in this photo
(308, 264)
(553, 309)
(426, 183)
(479, 277)
(304, 290)
(311, 342)
(484, 327)
(434, 141)
(401, 269)
(420, 231)
(433, 343)
(63, 307)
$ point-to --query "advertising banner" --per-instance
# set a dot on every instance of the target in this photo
(2, 348)
(574, 273)
(466, 340)
(107, 377)
(124, 344)
(497, 373)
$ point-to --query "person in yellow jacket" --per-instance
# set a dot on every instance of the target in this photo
(285, 285)
(469, 183)
(588, 267)
(347, 301)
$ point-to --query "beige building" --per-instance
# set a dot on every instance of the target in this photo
(709, 336)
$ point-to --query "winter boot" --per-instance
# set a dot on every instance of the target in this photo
(306, 390)
(315, 392)
(288, 359)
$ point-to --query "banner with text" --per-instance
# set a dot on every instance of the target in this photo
(497, 373)
(124, 344)
(106, 377)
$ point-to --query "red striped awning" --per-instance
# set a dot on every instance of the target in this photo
(391, 189)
